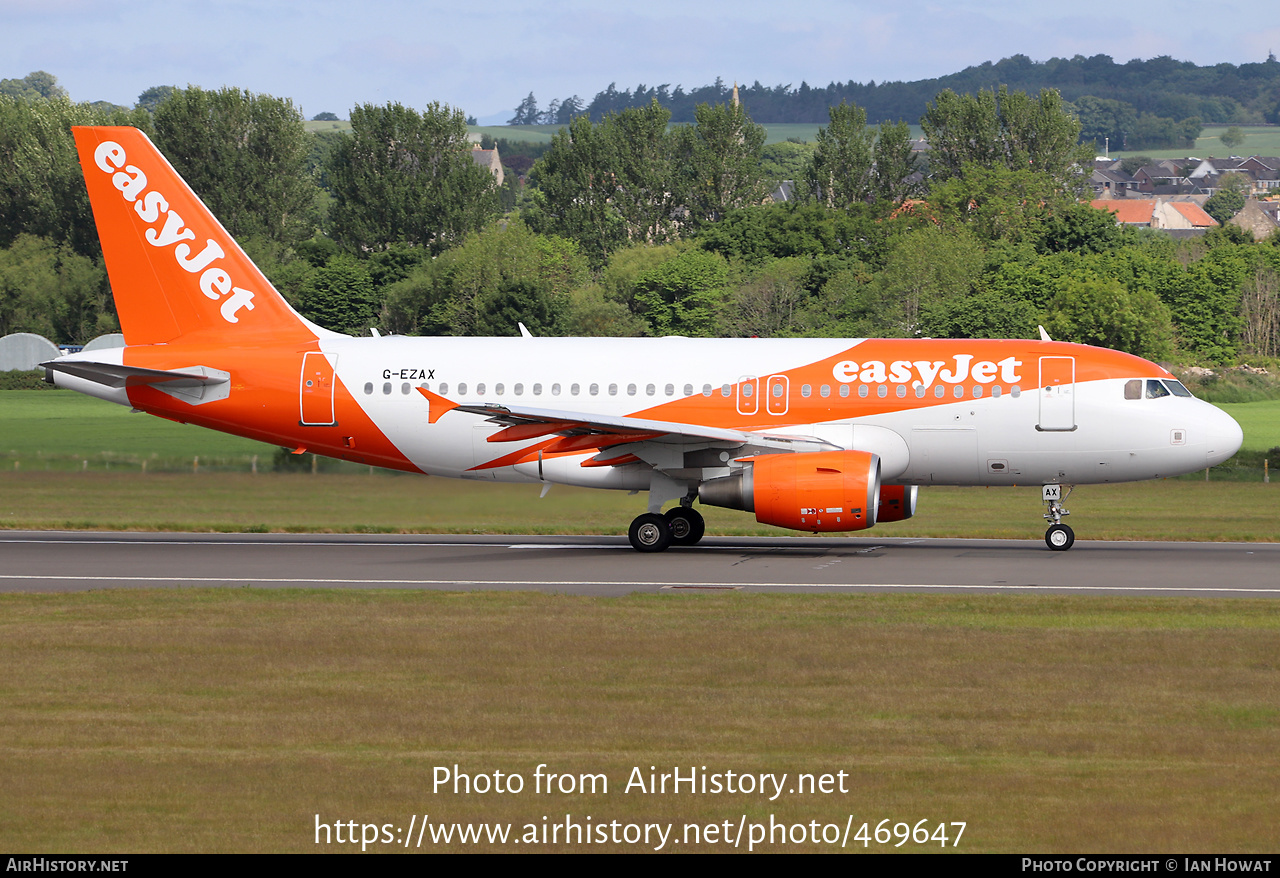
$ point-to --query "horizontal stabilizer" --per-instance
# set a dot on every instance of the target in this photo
(195, 384)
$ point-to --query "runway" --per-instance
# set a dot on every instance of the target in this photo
(594, 565)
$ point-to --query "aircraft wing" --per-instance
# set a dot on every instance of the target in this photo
(581, 431)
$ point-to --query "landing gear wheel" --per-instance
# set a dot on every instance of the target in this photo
(1059, 537)
(650, 533)
(687, 525)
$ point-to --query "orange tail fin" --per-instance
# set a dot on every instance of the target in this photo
(175, 271)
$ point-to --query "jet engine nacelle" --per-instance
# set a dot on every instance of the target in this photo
(897, 503)
(817, 491)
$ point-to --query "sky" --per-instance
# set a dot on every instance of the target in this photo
(329, 55)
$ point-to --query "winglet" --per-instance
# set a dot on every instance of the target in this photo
(438, 406)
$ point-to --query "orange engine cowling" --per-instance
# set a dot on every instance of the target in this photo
(816, 491)
(897, 503)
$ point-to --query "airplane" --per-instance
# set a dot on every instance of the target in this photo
(816, 434)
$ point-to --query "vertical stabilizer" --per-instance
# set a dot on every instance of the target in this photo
(175, 271)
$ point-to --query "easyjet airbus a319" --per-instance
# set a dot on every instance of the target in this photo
(810, 434)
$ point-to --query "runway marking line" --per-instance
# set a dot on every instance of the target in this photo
(575, 583)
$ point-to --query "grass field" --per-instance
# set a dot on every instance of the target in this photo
(233, 720)
(1259, 140)
(68, 461)
(190, 720)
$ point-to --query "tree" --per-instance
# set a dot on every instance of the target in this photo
(527, 113)
(51, 290)
(722, 168)
(1090, 309)
(245, 155)
(325, 117)
(34, 86)
(925, 269)
(998, 203)
(1104, 122)
(609, 184)
(682, 296)
(894, 164)
(769, 304)
(841, 171)
(42, 189)
(1225, 203)
(154, 97)
(1162, 132)
(1009, 130)
(479, 286)
(340, 297)
(785, 160)
(1232, 137)
(404, 176)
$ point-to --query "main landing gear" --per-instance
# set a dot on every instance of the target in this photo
(654, 532)
(1059, 536)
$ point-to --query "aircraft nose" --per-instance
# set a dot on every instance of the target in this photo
(1224, 435)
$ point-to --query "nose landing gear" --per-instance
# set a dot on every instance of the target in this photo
(1059, 537)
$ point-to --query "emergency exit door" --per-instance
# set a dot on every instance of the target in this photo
(1057, 393)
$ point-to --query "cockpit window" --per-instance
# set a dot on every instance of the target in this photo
(1133, 388)
(1155, 389)
(1177, 388)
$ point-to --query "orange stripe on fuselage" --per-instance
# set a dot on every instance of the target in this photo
(876, 361)
(264, 403)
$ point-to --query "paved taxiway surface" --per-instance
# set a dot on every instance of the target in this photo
(73, 561)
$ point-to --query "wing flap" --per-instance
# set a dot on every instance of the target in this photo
(581, 431)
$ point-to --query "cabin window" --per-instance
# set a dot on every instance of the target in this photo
(902, 391)
(537, 390)
(882, 391)
(995, 391)
(706, 390)
(518, 390)
(1016, 390)
(726, 390)
(844, 389)
(498, 388)
(444, 388)
(958, 393)
(480, 388)
(977, 391)
(806, 391)
(613, 390)
(649, 390)
(748, 390)
(555, 389)
(1155, 389)
(386, 389)
(919, 391)
(688, 390)
(462, 387)
(776, 390)
(594, 389)
(939, 391)
(631, 390)
(574, 389)
(824, 391)
(669, 390)
(862, 391)
(1133, 388)
(368, 388)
